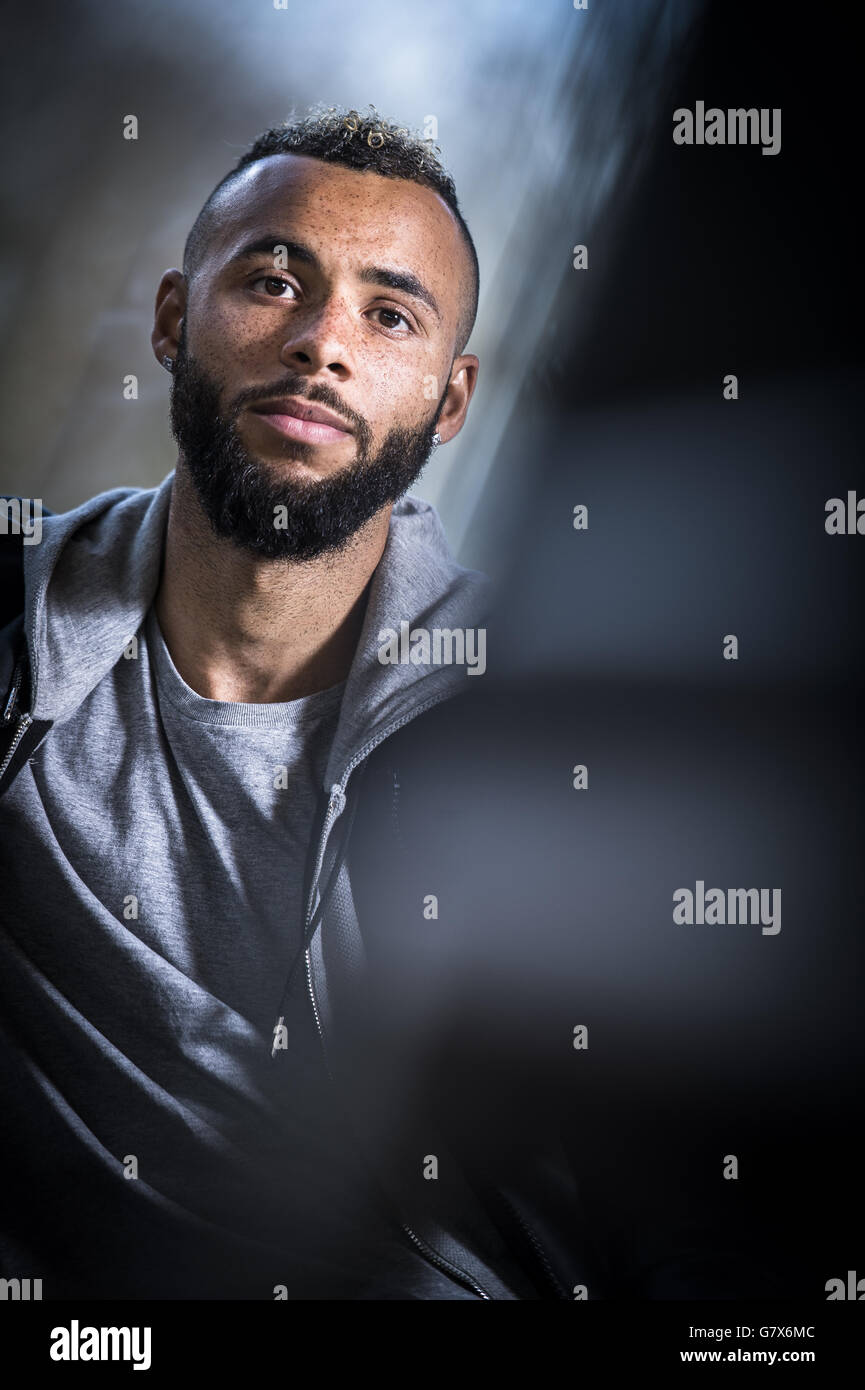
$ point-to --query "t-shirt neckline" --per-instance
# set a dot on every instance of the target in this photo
(280, 714)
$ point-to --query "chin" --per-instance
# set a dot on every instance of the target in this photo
(288, 461)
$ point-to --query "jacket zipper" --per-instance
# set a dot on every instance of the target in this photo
(17, 678)
(445, 1265)
(23, 725)
(339, 787)
(428, 1252)
(537, 1247)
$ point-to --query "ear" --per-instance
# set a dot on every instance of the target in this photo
(168, 315)
(463, 380)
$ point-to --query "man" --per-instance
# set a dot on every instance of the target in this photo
(224, 1028)
(194, 687)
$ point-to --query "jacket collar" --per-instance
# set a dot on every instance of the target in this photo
(95, 574)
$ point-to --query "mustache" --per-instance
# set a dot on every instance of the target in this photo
(296, 385)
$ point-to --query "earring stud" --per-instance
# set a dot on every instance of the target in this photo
(436, 439)
(168, 364)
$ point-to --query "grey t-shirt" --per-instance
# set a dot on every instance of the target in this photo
(244, 780)
(155, 852)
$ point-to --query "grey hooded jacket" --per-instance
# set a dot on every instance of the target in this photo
(87, 588)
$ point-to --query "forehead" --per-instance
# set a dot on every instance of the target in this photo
(354, 214)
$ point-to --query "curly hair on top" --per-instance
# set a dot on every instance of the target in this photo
(360, 142)
(341, 135)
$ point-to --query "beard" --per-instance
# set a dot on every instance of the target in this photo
(240, 492)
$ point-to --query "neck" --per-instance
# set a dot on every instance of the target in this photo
(252, 630)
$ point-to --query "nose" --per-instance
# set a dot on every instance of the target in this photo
(320, 340)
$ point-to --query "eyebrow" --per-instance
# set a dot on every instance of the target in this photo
(387, 276)
(399, 280)
(266, 246)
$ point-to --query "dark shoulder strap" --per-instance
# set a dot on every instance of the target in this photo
(18, 739)
(11, 577)
(12, 558)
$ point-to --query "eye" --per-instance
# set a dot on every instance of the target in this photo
(273, 285)
(393, 314)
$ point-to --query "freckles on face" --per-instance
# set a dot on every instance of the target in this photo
(359, 342)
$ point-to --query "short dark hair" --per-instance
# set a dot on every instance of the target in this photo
(338, 135)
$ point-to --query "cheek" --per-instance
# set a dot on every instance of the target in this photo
(227, 334)
(399, 389)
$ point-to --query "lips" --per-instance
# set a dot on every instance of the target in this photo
(295, 418)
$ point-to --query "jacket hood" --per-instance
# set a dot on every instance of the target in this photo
(91, 580)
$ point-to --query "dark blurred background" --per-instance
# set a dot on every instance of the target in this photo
(706, 518)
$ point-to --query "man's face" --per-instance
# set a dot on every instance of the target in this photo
(322, 289)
